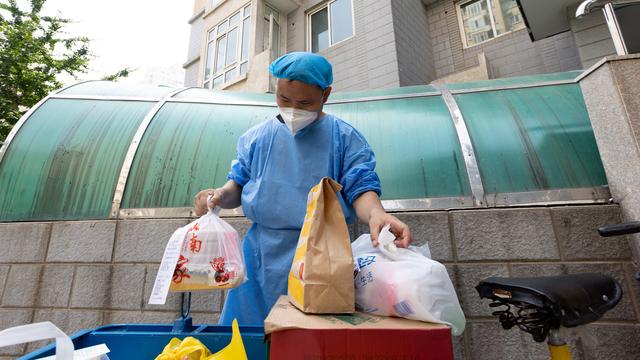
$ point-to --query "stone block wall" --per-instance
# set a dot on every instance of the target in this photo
(84, 274)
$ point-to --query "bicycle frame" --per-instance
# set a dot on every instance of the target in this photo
(558, 348)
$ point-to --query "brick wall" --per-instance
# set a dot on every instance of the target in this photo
(368, 60)
(512, 54)
(413, 43)
(88, 273)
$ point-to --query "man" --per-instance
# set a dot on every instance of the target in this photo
(278, 161)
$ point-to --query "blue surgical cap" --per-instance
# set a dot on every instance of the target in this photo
(303, 66)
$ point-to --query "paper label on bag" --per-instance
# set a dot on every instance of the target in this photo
(167, 268)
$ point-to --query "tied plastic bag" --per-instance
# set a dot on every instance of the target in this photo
(393, 281)
(210, 256)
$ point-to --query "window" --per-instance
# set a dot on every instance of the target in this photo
(330, 24)
(483, 20)
(271, 32)
(228, 49)
(214, 3)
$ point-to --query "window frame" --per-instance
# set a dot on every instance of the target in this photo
(492, 23)
(315, 10)
(212, 37)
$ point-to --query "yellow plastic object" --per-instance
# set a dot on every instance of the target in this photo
(192, 349)
(559, 352)
(235, 349)
(188, 349)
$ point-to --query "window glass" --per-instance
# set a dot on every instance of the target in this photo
(220, 52)
(483, 20)
(341, 20)
(246, 31)
(319, 31)
(232, 47)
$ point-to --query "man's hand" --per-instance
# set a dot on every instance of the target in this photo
(369, 209)
(379, 218)
(200, 203)
(227, 197)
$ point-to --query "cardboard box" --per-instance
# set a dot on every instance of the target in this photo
(296, 335)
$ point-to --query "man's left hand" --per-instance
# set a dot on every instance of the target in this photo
(379, 218)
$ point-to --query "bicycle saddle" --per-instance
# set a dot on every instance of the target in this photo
(574, 299)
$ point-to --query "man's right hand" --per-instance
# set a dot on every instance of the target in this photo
(200, 204)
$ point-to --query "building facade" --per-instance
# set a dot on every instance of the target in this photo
(382, 43)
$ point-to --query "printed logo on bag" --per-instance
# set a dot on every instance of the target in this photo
(222, 275)
(403, 308)
(365, 261)
(181, 270)
(364, 279)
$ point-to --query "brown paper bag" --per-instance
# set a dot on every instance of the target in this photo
(321, 276)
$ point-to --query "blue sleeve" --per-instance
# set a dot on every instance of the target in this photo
(241, 167)
(358, 167)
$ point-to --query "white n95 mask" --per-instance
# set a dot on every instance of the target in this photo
(297, 119)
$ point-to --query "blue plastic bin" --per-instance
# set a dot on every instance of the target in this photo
(142, 341)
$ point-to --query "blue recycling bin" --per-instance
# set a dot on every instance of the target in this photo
(143, 341)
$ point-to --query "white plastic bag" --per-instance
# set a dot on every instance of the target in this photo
(210, 256)
(393, 281)
(47, 330)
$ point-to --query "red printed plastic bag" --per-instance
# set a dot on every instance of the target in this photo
(210, 256)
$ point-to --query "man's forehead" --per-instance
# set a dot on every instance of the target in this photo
(295, 87)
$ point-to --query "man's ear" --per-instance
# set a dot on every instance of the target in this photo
(326, 94)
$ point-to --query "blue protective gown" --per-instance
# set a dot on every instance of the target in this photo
(276, 170)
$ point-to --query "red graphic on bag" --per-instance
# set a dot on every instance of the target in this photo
(218, 264)
(221, 275)
(181, 270)
(194, 244)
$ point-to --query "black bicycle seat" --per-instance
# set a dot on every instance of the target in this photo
(574, 299)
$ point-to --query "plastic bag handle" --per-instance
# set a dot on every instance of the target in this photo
(386, 244)
(39, 331)
(215, 210)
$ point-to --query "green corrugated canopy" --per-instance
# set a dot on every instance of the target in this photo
(100, 150)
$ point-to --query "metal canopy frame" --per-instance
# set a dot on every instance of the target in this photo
(478, 199)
